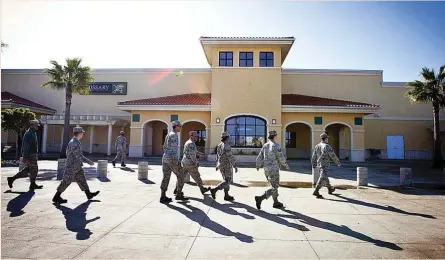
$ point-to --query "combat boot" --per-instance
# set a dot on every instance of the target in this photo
(90, 194)
(317, 194)
(34, 186)
(204, 190)
(10, 181)
(57, 199)
(114, 163)
(227, 197)
(213, 192)
(165, 199)
(258, 200)
(180, 196)
(277, 204)
(331, 190)
(123, 165)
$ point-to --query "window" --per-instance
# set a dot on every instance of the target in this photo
(136, 117)
(318, 120)
(226, 59)
(291, 140)
(246, 131)
(266, 59)
(246, 59)
(174, 118)
(358, 121)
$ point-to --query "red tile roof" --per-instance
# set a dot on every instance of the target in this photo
(194, 99)
(9, 97)
(301, 100)
(205, 99)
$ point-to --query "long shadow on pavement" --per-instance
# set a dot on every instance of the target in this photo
(228, 208)
(76, 219)
(372, 205)
(17, 204)
(195, 214)
(344, 230)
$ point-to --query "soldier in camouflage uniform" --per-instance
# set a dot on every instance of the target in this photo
(171, 163)
(190, 161)
(73, 168)
(271, 158)
(29, 153)
(225, 162)
(321, 158)
(121, 148)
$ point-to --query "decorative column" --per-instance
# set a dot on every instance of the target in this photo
(207, 145)
(110, 132)
(45, 137)
(91, 138)
(61, 137)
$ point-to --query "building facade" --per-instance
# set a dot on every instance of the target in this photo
(245, 92)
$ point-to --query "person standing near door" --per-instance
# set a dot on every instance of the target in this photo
(29, 153)
(321, 159)
(121, 148)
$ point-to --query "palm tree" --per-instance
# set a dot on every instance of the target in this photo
(73, 78)
(430, 90)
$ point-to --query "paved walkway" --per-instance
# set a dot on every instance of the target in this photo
(127, 221)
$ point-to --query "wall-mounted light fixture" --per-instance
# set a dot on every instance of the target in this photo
(217, 120)
(274, 121)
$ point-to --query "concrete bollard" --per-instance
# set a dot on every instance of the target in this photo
(406, 177)
(362, 176)
(21, 164)
(61, 165)
(315, 176)
(142, 170)
(102, 168)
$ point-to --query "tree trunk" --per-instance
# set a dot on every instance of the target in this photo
(66, 127)
(437, 157)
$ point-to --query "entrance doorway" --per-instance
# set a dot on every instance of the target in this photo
(395, 147)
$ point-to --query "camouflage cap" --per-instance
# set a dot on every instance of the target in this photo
(78, 129)
(193, 133)
(122, 132)
(176, 123)
(323, 136)
(34, 122)
(273, 133)
(224, 134)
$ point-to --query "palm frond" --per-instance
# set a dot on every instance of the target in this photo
(428, 74)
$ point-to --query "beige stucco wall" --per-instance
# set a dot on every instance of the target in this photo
(140, 84)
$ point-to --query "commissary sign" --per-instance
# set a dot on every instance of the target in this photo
(108, 88)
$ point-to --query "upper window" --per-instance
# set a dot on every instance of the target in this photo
(266, 59)
(246, 59)
(226, 59)
(246, 131)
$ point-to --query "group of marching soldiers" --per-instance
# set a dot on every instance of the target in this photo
(270, 158)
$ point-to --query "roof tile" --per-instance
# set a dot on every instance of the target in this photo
(204, 99)
(9, 97)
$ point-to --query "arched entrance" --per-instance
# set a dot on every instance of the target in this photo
(298, 140)
(153, 137)
(340, 138)
(200, 128)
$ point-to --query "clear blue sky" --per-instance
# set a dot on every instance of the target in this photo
(397, 37)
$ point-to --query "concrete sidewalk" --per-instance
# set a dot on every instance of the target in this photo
(127, 221)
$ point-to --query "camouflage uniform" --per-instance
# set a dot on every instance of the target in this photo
(170, 162)
(73, 167)
(271, 157)
(30, 150)
(321, 158)
(121, 148)
(225, 162)
(190, 161)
